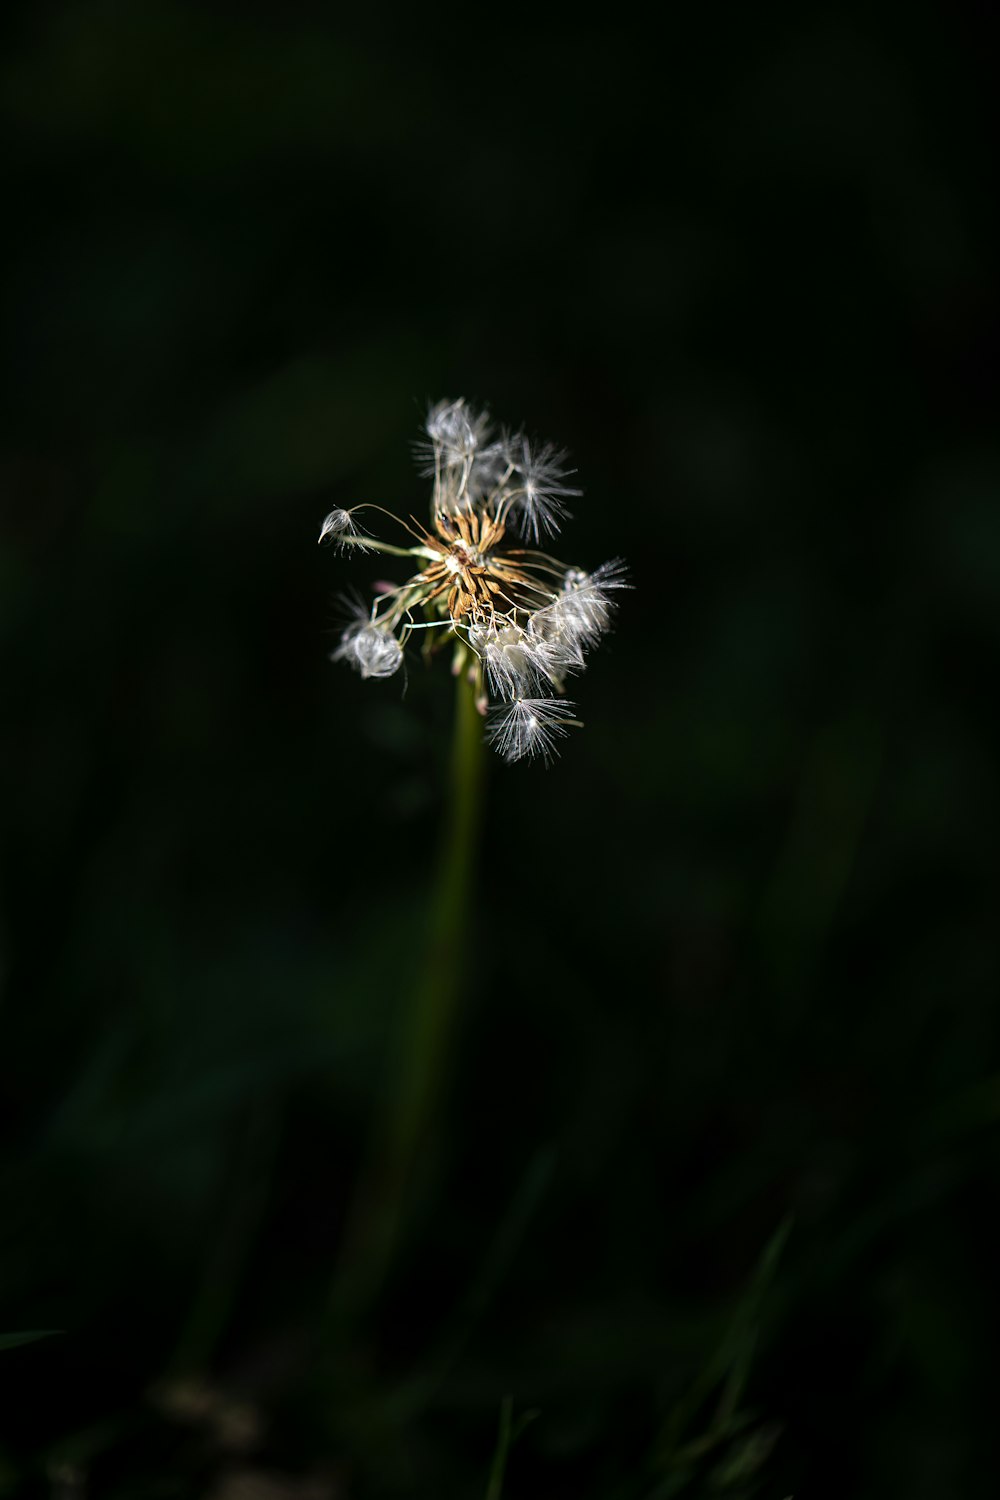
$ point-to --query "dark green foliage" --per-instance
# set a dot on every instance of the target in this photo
(734, 959)
(15, 1340)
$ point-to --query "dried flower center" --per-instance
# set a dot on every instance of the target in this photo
(460, 558)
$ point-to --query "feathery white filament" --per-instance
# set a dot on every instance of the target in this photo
(370, 649)
(537, 491)
(514, 661)
(342, 527)
(529, 726)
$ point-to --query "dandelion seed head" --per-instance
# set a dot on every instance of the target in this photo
(518, 619)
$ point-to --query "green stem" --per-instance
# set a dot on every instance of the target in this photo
(404, 1145)
(439, 988)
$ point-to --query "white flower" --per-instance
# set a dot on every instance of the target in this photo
(371, 649)
(529, 726)
(520, 621)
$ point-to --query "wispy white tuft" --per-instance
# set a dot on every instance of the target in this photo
(457, 439)
(537, 490)
(490, 474)
(456, 430)
(370, 649)
(586, 604)
(341, 527)
(557, 645)
(515, 662)
(529, 727)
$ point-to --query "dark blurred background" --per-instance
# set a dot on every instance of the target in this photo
(717, 1158)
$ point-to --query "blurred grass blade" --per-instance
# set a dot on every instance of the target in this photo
(507, 1436)
(738, 1350)
(418, 1390)
(14, 1340)
(728, 1370)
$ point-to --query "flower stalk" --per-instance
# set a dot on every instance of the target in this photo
(404, 1147)
(434, 1001)
(518, 623)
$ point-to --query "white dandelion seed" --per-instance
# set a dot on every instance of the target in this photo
(342, 528)
(370, 649)
(456, 431)
(586, 605)
(530, 727)
(538, 490)
(515, 664)
(558, 647)
(456, 436)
